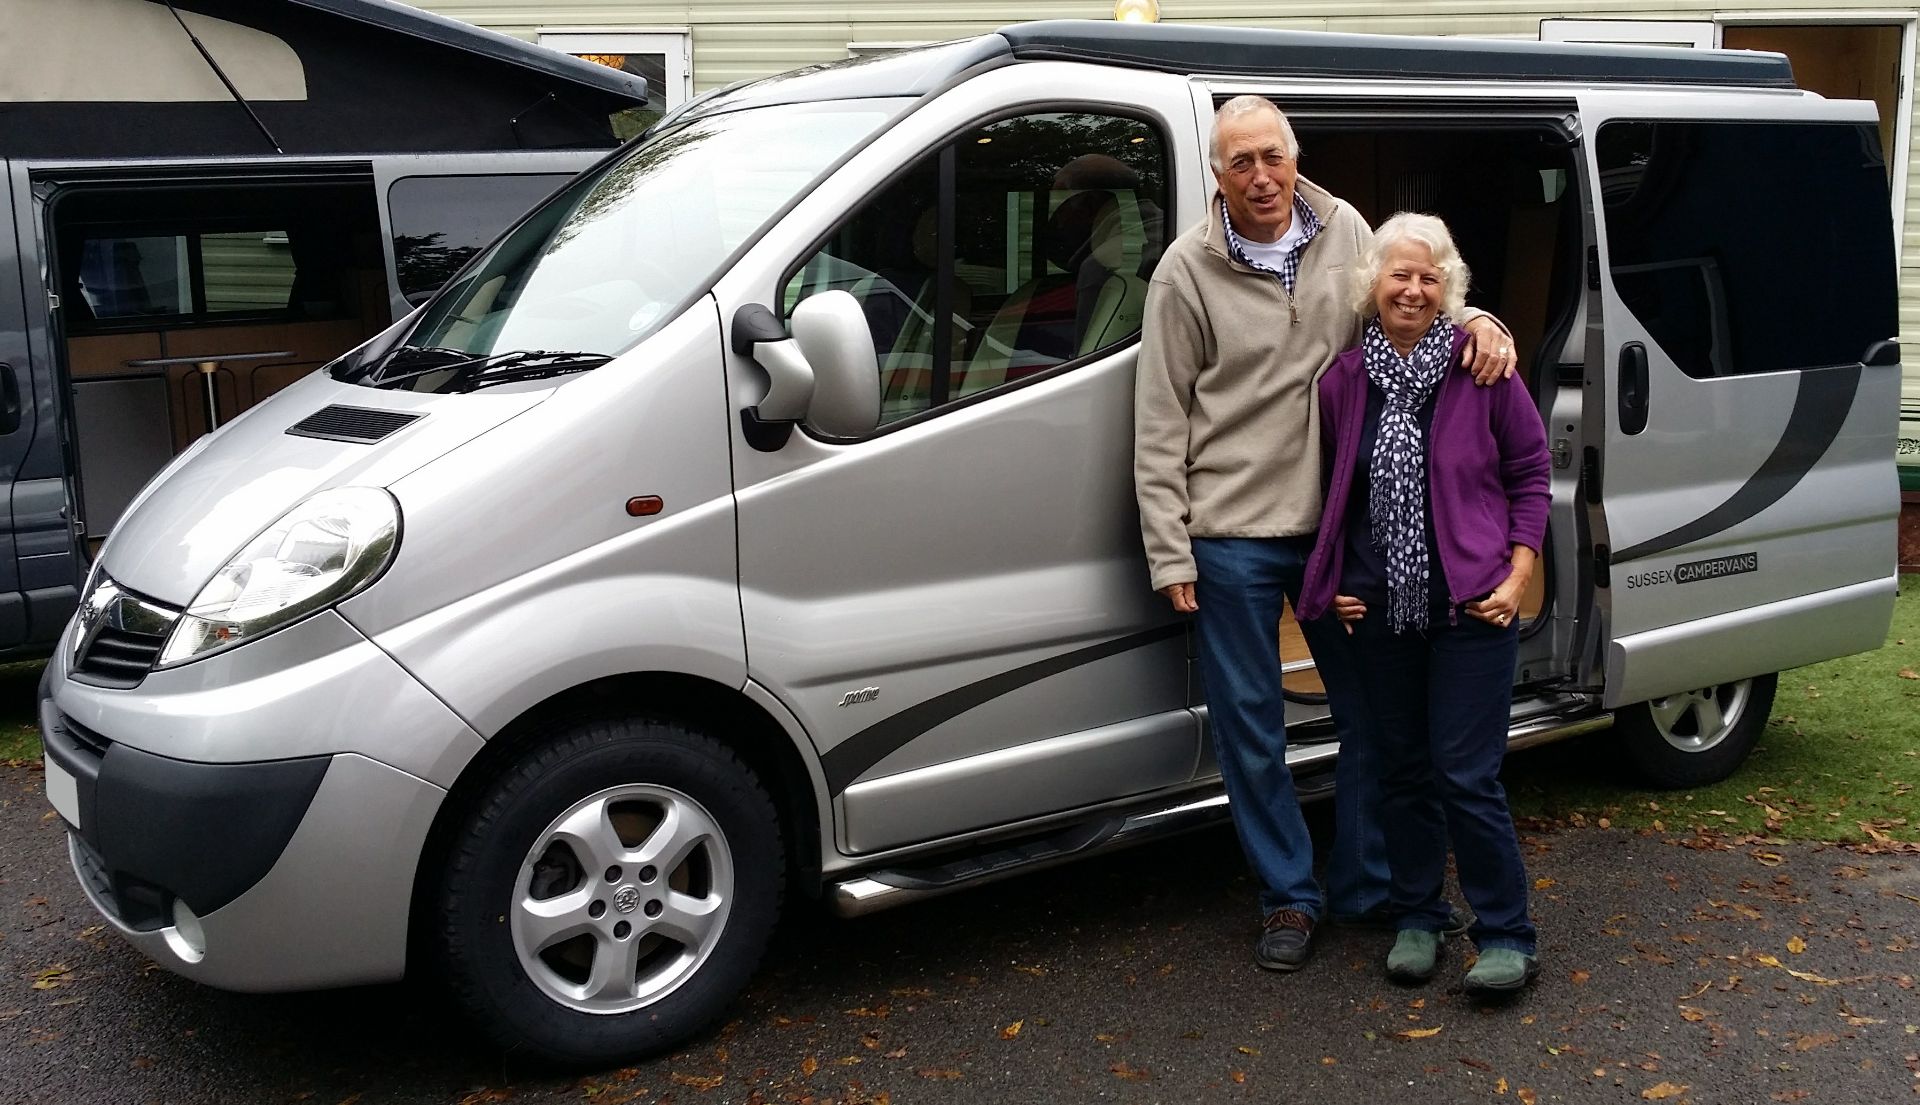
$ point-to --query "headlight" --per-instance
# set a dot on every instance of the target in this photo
(323, 550)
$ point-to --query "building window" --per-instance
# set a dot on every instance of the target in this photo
(663, 58)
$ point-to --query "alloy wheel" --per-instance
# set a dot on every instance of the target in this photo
(621, 898)
(1695, 721)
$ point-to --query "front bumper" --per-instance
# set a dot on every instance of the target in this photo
(293, 850)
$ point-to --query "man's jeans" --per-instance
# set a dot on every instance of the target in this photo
(1242, 583)
(1441, 700)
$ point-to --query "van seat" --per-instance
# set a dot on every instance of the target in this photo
(1094, 301)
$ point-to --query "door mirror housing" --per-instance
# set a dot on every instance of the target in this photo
(834, 338)
(826, 374)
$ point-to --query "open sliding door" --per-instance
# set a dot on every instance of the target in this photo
(1745, 496)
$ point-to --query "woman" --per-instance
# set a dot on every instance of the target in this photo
(1435, 510)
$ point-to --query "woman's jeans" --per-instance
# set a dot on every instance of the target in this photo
(1440, 701)
(1241, 586)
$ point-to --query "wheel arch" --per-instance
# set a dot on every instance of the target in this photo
(785, 764)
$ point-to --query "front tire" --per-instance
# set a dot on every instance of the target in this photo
(1696, 737)
(610, 892)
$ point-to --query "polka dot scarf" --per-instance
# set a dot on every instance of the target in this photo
(1397, 474)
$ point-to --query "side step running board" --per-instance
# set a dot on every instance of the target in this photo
(884, 889)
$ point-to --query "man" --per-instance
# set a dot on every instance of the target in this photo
(1243, 314)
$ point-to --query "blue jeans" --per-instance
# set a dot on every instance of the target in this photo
(1240, 590)
(1440, 703)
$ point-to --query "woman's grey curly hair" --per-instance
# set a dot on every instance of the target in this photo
(1428, 231)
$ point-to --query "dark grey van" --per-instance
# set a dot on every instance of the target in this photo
(223, 197)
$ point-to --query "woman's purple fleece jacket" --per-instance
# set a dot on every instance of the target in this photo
(1488, 476)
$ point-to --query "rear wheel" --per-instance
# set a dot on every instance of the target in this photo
(1696, 737)
(611, 892)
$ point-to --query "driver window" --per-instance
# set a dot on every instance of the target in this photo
(1058, 220)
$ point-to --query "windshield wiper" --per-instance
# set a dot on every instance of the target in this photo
(499, 368)
(534, 366)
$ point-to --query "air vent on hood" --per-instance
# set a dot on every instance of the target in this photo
(360, 424)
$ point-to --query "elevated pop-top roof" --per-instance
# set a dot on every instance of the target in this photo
(408, 20)
(1247, 51)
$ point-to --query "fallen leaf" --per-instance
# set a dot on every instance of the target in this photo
(808, 1066)
(1770, 859)
(940, 1074)
(1909, 673)
(701, 1082)
(1037, 972)
(878, 1011)
(1012, 1030)
(1131, 1074)
(1817, 1039)
(1239, 1077)
(1248, 1050)
(1662, 1090)
(1579, 977)
(1328, 1061)
(1791, 1095)
(1693, 1014)
(1527, 1096)
(1543, 884)
(1500, 1086)
(1419, 1033)
(1795, 944)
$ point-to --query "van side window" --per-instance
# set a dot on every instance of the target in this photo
(441, 221)
(1057, 221)
(1750, 247)
(143, 279)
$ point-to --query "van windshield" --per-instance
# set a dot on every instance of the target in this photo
(611, 257)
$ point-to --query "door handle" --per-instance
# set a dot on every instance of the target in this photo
(1633, 388)
(9, 400)
(1882, 354)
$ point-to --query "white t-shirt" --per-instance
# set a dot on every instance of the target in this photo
(1273, 255)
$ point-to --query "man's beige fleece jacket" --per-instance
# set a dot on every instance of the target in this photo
(1226, 400)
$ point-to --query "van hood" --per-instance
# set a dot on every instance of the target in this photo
(214, 498)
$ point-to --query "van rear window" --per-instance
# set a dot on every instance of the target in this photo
(1750, 247)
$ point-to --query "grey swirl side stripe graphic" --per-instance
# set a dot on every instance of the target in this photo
(851, 758)
(1820, 408)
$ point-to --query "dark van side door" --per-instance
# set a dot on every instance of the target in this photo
(38, 581)
(1745, 484)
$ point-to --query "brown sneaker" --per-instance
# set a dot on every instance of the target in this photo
(1286, 942)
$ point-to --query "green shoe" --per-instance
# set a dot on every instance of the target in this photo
(1415, 954)
(1501, 971)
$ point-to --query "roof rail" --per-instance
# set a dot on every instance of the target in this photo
(1257, 52)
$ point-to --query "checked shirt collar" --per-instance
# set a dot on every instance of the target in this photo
(1310, 227)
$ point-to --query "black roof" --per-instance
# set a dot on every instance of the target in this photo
(409, 20)
(1238, 51)
(1245, 51)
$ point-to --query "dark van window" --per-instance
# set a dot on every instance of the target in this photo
(171, 279)
(440, 221)
(1750, 247)
(1057, 221)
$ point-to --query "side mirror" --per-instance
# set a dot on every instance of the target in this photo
(834, 337)
(826, 374)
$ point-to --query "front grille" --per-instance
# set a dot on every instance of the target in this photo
(119, 635)
(363, 425)
(117, 657)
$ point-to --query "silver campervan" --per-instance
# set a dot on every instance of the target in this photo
(755, 517)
